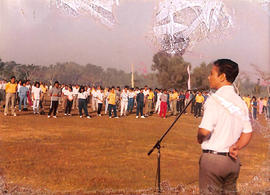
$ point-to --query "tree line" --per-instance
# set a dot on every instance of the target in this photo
(168, 71)
(73, 73)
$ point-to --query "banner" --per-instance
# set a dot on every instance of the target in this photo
(188, 70)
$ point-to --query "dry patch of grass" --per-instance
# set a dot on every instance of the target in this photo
(71, 154)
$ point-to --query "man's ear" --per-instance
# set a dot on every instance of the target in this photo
(222, 77)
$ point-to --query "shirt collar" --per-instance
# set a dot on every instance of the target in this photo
(224, 89)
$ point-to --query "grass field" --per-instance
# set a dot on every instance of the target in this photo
(69, 154)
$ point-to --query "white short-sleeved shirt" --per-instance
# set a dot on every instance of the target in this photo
(94, 93)
(36, 92)
(18, 88)
(131, 94)
(100, 97)
(75, 91)
(65, 91)
(146, 92)
(124, 96)
(226, 116)
(158, 96)
(28, 86)
(2, 85)
(83, 95)
(69, 95)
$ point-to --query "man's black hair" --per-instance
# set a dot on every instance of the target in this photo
(228, 67)
(13, 77)
(81, 88)
(37, 83)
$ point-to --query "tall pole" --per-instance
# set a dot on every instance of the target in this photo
(132, 75)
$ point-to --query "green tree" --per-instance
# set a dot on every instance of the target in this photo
(199, 76)
(171, 70)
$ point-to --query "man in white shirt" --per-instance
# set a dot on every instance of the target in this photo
(18, 89)
(157, 108)
(94, 99)
(100, 100)
(146, 94)
(2, 90)
(64, 96)
(70, 96)
(36, 96)
(131, 99)
(75, 100)
(224, 130)
(124, 101)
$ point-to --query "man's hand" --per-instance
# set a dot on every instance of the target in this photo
(241, 143)
(233, 151)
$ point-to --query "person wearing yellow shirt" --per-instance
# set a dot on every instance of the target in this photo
(150, 99)
(247, 101)
(198, 107)
(11, 89)
(173, 99)
(42, 98)
(112, 102)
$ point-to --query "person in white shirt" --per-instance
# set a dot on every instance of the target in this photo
(36, 96)
(157, 108)
(75, 100)
(2, 90)
(137, 91)
(100, 100)
(94, 98)
(82, 96)
(106, 95)
(29, 97)
(64, 96)
(146, 94)
(70, 96)
(18, 89)
(97, 91)
(124, 101)
(224, 130)
(131, 99)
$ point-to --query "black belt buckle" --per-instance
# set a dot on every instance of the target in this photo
(215, 152)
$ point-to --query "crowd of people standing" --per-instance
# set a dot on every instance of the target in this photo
(112, 100)
(259, 106)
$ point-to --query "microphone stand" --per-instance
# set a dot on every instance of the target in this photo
(158, 143)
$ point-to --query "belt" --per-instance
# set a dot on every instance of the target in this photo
(214, 152)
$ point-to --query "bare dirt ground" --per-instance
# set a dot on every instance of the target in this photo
(69, 155)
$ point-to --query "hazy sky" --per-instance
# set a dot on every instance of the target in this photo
(31, 32)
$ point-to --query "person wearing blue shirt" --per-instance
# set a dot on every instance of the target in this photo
(182, 101)
(254, 105)
(268, 109)
(140, 104)
(23, 96)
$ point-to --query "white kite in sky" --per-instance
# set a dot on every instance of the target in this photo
(179, 24)
(102, 10)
